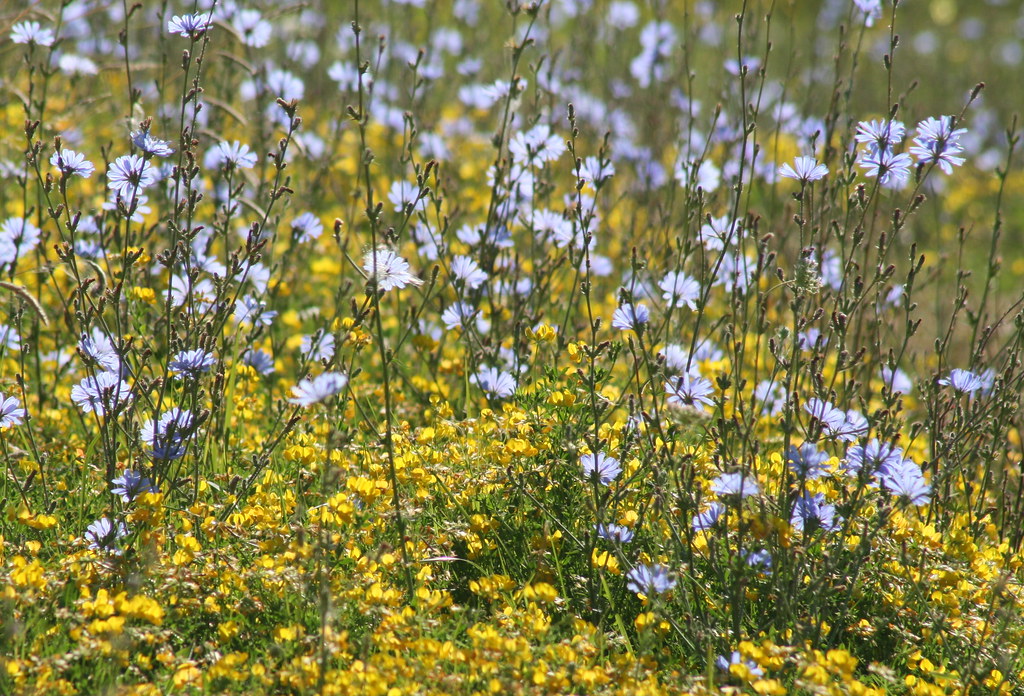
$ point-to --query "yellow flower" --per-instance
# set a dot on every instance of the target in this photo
(604, 559)
(541, 592)
(227, 630)
(146, 295)
(286, 634)
(187, 675)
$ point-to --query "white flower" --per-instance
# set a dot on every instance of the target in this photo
(18, 237)
(536, 146)
(680, 289)
(252, 28)
(457, 315)
(405, 193)
(311, 391)
(388, 270)
(230, 155)
(596, 171)
(72, 163)
(100, 348)
(494, 382)
(72, 64)
(32, 33)
(467, 270)
(719, 232)
(689, 390)
(804, 169)
(708, 177)
(872, 10)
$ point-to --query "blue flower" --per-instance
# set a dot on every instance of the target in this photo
(988, 380)
(252, 311)
(615, 532)
(307, 227)
(825, 412)
(875, 457)
(9, 337)
(811, 512)
(104, 535)
(688, 390)
(129, 174)
(100, 348)
(650, 580)
(707, 519)
(937, 142)
(892, 170)
(807, 461)
(806, 340)
(101, 394)
(189, 364)
(844, 425)
(11, 412)
(606, 468)
(879, 136)
(760, 559)
(726, 664)
(677, 359)
(318, 346)
(896, 380)
(167, 438)
(150, 145)
(130, 485)
(18, 237)
(854, 427)
(906, 481)
(189, 26)
(963, 381)
(631, 317)
(735, 484)
(259, 360)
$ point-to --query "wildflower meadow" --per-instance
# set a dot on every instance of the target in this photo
(503, 347)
